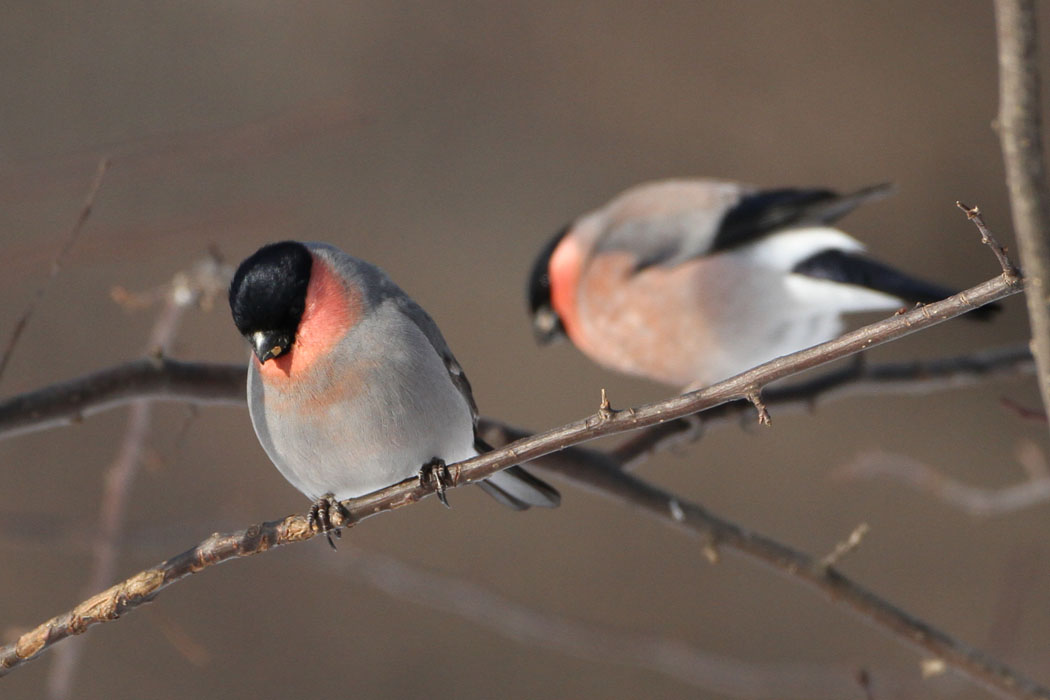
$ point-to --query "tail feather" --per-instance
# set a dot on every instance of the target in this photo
(516, 488)
(853, 268)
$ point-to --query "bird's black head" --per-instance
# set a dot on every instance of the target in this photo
(268, 295)
(546, 324)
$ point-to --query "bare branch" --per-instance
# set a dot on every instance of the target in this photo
(859, 379)
(1020, 133)
(56, 264)
(598, 472)
(155, 378)
(923, 478)
(590, 468)
(697, 667)
(172, 380)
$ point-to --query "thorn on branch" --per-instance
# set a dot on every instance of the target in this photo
(755, 397)
(974, 214)
(605, 409)
(845, 547)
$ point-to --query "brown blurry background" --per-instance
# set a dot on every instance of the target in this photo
(446, 142)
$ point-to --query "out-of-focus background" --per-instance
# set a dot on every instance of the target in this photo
(446, 142)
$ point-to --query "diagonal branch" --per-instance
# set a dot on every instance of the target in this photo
(599, 472)
(857, 379)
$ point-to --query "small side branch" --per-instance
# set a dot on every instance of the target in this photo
(989, 239)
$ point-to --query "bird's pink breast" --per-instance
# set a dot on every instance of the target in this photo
(332, 308)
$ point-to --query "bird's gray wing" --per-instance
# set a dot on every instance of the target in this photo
(688, 222)
(514, 487)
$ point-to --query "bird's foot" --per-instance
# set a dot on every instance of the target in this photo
(320, 519)
(435, 474)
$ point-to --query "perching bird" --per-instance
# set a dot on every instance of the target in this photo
(689, 282)
(352, 388)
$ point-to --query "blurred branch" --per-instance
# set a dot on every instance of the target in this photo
(972, 500)
(699, 668)
(198, 287)
(601, 473)
(154, 378)
(1020, 133)
(56, 264)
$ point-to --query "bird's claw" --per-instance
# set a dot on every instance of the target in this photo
(435, 474)
(320, 518)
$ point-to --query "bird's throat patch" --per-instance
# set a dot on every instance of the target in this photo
(332, 308)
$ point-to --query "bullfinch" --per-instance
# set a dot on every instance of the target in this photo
(351, 386)
(691, 281)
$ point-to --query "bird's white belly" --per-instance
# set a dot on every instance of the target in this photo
(368, 435)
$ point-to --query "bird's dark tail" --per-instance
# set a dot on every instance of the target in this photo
(854, 268)
(516, 488)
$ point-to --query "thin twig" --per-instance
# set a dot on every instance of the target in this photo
(989, 239)
(56, 264)
(1021, 137)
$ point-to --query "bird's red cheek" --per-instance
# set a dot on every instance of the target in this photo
(564, 271)
(332, 308)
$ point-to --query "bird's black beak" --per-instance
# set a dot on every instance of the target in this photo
(269, 344)
(547, 326)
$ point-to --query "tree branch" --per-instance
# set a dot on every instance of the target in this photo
(857, 379)
(599, 472)
(702, 669)
(156, 378)
(1020, 134)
